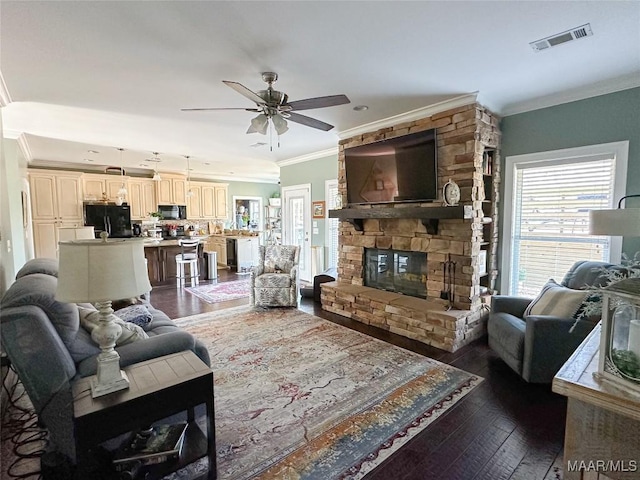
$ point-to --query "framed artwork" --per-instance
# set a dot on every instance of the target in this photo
(318, 209)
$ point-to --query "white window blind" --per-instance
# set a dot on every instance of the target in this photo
(551, 219)
(332, 225)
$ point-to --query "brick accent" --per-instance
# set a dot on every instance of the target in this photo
(463, 134)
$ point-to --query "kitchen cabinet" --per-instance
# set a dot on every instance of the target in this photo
(207, 201)
(56, 196)
(171, 190)
(95, 185)
(194, 202)
(142, 198)
(218, 244)
(247, 253)
(56, 201)
(221, 202)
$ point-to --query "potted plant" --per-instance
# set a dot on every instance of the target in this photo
(274, 200)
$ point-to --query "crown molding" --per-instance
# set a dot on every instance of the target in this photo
(5, 97)
(23, 144)
(618, 84)
(410, 116)
(309, 156)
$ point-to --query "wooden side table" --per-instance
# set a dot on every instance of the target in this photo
(602, 438)
(158, 389)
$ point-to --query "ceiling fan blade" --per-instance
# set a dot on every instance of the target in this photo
(207, 109)
(309, 122)
(242, 90)
(318, 102)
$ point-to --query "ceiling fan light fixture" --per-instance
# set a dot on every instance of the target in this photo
(280, 124)
(259, 124)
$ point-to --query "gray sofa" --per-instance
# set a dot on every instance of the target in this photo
(536, 346)
(49, 349)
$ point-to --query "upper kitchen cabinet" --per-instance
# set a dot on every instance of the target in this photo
(56, 201)
(206, 201)
(221, 201)
(56, 195)
(171, 190)
(142, 198)
(95, 185)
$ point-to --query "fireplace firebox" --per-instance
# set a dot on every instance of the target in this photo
(396, 271)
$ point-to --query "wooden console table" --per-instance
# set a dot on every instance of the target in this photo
(159, 388)
(602, 438)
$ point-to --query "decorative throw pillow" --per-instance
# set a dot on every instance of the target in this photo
(130, 333)
(557, 300)
(136, 314)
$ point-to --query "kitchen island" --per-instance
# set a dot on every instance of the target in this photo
(161, 260)
(236, 252)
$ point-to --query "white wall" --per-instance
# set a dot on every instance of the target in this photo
(13, 253)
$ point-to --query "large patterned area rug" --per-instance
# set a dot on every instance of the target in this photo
(299, 397)
(221, 292)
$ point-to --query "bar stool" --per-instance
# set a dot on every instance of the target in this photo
(188, 256)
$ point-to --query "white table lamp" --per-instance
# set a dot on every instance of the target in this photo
(624, 222)
(99, 271)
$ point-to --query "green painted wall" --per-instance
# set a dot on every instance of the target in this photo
(607, 118)
(252, 189)
(315, 172)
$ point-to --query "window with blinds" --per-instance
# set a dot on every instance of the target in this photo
(331, 195)
(551, 218)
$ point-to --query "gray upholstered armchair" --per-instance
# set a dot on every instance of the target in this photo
(533, 339)
(274, 282)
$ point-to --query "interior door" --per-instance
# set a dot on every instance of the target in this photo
(296, 221)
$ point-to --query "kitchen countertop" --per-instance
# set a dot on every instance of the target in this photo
(159, 242)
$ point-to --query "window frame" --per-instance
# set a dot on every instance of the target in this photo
(330, 185)
(619, 150)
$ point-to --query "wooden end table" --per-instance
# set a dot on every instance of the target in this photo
(602, 437)
(158, 389)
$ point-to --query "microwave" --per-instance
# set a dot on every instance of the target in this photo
(173, 212)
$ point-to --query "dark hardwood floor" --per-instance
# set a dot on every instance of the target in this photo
(504, 429)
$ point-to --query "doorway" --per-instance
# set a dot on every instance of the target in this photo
(296, 222)
(248, 213)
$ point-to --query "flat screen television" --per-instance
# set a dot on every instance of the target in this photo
(400, 169)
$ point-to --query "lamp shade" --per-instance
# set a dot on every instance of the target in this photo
(100, 270)
(75, 233)
(624, 222)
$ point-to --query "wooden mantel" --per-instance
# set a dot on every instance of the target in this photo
(428, 215)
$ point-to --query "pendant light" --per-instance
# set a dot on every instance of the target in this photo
(123, 189)
(189, 191)
(156, 175)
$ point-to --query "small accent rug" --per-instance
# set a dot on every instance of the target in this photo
(221, 292)
(299, 397)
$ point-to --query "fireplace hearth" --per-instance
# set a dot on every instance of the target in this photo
(396, 271)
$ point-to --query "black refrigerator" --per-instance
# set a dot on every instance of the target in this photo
(113, 219)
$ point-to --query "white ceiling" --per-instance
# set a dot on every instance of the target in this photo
(90, 75)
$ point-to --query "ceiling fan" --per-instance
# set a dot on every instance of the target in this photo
(274, 107)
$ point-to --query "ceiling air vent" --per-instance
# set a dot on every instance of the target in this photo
(564, 37)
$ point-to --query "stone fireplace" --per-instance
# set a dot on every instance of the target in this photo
(379, 245)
